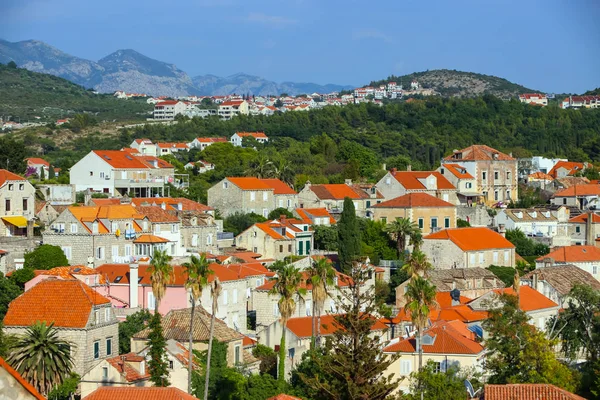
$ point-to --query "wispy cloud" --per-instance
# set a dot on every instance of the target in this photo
(371, 34)
(275, 21)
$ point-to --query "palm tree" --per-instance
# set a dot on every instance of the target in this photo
(417, 264)
(261, 167)
(416, 239)
(287, 285)
(321, 275)
(400, 229)
(282, 170)
(215, 292)
(197, 279)
(41, 357)
(420, 299)
(161, 272)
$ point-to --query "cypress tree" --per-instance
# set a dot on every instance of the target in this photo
(158, 358)
(348, 236)
(51, 173)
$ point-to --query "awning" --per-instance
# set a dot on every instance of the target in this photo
(18, 220)
(150, 239)
(470, 194)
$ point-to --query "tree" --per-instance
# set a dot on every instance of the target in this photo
(321, 276)
(352, 364)
(41, 357)
(12, 64)
(133, 324)
(51, 172)
(518, 352)
(46, 257)
(278, 212)
(326, 237)
(42, 174)
(13, 154)
(525, 246)
(268, 359)
(197, 271)
(160, 275)
(8, 292)
(239, 222)
(288, 286)
(349, 236)
(417, 264)
(436, 385)
(67, 389)
(400, 229)
(420, 299)
(261, 167)
(215, 292)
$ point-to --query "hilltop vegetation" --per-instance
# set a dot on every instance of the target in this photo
(27, 94)
(453, 83)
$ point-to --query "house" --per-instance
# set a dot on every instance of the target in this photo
(539, 179)
(139, 393)
(567, 168)
(39, 164)
(168, 109)
(125, 370)
(176, 326)
(230, 108)
(163, 149)
(447, 344)
(584, 229)
(536, 99)
(556, 282)
(472, 282)
(201, 166)
(278, 238)
(17, 207)
(119, 173)
(496, 173)
(463, 181)
(538, 222)
(428, 212)
(238, 137)
(538, 307)
(203, 142)
(81, 316)
(581, 102)
(299, 334)
(332, 196)
(468, 248)
(585, 257)
(315, 216)
(583, 196)
(398, 183)
(165, 226)
(14, 387)
(144, 146)
(251, 195)
(527, 391)
(87, 275)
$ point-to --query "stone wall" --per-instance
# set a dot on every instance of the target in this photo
(476, 215)
(16, 248)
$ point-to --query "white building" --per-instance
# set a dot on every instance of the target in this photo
(237, 137)
(167, 110)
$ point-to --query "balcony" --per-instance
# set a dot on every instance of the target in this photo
(155, 182)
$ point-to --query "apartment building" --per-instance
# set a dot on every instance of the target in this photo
(231, 108)
(398, 183)
(536, 99)
(17, 205)
(168, 109)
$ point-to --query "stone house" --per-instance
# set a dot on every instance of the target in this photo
(81, 316)
(17, 207)
(125, 370)
(583, 196)
(90, 276)
(584, 229)
(496, 173)
(398, 183)
(539, 222)
(331, 197)
(203, 142)
(199, 232)
(463, 181)
(251, 195)
(277, 239)
(585, 257)
(563, 168)
(315, 216)
(14, 387)
(428, 212)
(468, 248)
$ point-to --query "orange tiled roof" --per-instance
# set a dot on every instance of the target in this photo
(249, 269)
(448, 340)
(411, 180)
(249, 183)
(70, 272)
(582, 218)
(411, 200)
(138, 393)
(479, 152)
(127, 371)
(588, 189)
(284, 397)
(157, 214)
(9, 176)
(528, 391)
(458, 170)
(338, 191)
(279, 187)
(302, 326)
(66, 303)
(151, 161)
(529, 298)
(26, 385)
(253, 134)
(120, 159)
(473, 238)
(37, 161)
(540, 175)
(248, 341)
(306, 214)
(164, 145)
(150, 239)
(571, 166)
(171, 203)
(571, 254)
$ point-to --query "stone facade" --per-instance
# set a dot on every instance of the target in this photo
(199, 232)
(17, 199)
(445, 217)
(444, 254)
(229, 199)
(232, 304)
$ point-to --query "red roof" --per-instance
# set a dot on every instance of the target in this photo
(447, 340)
(279, 187)
(150, 239)
(171, 203)
(528, 391)
(167, 103)
(173, 145)
(458, 170)
(414, 180)
(588, 189)
(26, 385)
(249, 269)
(9, 176)
(248, 341)
(232, 102)
(411, 200)
(338, 191)
(570, 166)
(37, 161)
(473, 238)
(70, 272)
(120, 159)
(308, 214)
(574, 254)
(66, 303)
(479, 152)
(253, 134)
(250, 183)
(284, 397)
(582, 218)
(129, 372)
(302, 326)
(529, 298)
(540, 175)
(138, 393)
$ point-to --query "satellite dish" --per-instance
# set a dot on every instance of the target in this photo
(470, 390)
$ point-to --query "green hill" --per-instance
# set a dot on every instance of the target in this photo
(26, 95)
(452, 83)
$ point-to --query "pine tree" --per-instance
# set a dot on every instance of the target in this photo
(352, 364)
(349, 236)
(51, 173)
(42, 174)
(158, 358)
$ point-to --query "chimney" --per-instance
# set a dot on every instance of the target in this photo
(409, 167)
(282, 218)
(133, 285)
(393, 171)
(589, 234)
(87, 197)
(535, 280)
(348, 181)
(90, 262)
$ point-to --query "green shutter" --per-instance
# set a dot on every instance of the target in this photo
(308, 247)
(300, 248)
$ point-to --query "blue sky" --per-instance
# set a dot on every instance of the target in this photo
(550, 45)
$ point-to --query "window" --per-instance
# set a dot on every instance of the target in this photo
(73, 228)
(67, 251)
(437, 367)
(174, 228)
(434, 223)
(234, 296)
(289, 248)
(151, 301)
(104, 373)
(594, 270)
(225, 297)
(127, 250)
(508, 175)
(468, 185)
(225, 185)
(114, 252)
(384, 220)
(258, 282)
(108, 346)
(101, 175)
(280, 203)
(96, 350)
(95, 227)
(289, 203)
(301, 248)
(577, 229)
(25, 203)
(265, 212)
(265, 196)
(495, 195)
(107, 314)
(484, 175)
(96, 312)
(252, 196)
(496, 175)
(480, 257)
(275, 310)
(564, 200)
(405, 367)
(495, 257)
(308, 306)
(388, 180)
(91, 173)
(209, 239)
(447, 222)
(100, 253)
(281, 248)
(21, 186)
(157, 228)
(421, 223)
(472, 258)
(11, 186)
(194, 240)
(368, 203)
(114, 226)
(237, 354)
(7, 205)
(170, 364)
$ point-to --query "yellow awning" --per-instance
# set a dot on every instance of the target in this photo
(18, 220)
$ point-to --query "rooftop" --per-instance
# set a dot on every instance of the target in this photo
(9, 176)
(411, 200)
(528, 391)
(563, 277)
(26, 385)
(571, 254)
(415, 180)
(302, 326)
(479, 152)
(588, 189)
(138, 393)
(473, 238)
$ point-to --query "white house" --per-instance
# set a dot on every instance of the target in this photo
(167, 110)
(585, 257)
(237, 137)
(144, 146)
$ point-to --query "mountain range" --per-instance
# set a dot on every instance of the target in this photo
(133, 72)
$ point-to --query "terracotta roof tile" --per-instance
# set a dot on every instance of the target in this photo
(66, 303)
(157, 215)
(308, 214)
(473, 238)
(171, 203)
(411, 200)
(589, 189)
(458, 171)
(528, 391)
(69, 272)
(37, 161)
(540, 175)
(253, 134)
(570, 166)
(338, 191)
(9, 176)
(279, 187)
(138, 393)
(572, 254)
(414, 180)
(582, 218)
(563, 277)
(120, 159)
(529, 299)
(479, 152)
(150, 239)
(302, 326)
(123, 364)
(249, 183)
(284, 397)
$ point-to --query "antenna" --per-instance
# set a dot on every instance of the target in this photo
(472, 393)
